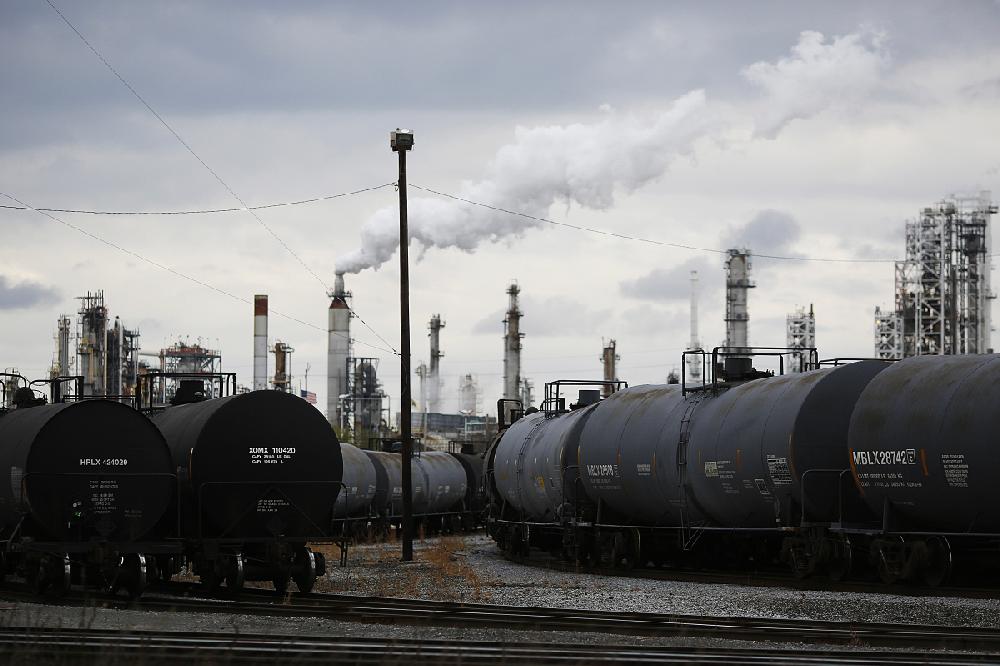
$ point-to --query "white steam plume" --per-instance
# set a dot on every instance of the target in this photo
(817, 75)
(586, 164)
(574, 163)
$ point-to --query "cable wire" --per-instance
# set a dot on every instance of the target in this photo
(639, 239)
(206, 211)
(176, 272)
(212, 171)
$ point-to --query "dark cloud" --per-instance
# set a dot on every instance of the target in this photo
(769, 232)
(25, 294)
(673, 283)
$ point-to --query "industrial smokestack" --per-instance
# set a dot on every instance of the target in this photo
(338, 351)
(694, 362)
(260, 342)
(512, 346)
(737, 285)
(609, 358)
(434, 372)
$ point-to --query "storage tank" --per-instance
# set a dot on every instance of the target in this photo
(360, 484)
(389, 496)
(447, 481)
(255, 465)
(535, 461)
(923, 444)
(85, 470)
(751, 447)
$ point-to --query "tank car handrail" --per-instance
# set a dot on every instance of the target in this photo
(271, 486)
(742, 352)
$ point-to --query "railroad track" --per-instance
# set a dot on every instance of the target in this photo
(155, 647)
(463, 615)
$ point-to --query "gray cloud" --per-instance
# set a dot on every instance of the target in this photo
(673, 283)
(769, 232)
(25, 294)
(553, 316)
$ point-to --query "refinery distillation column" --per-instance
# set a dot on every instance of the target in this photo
(512, 347)
(434, 372)
(260, 342)
(737, 285)
(338, 351)
(609, 357)
(694, 361)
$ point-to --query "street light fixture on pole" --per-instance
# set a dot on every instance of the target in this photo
(401, 141)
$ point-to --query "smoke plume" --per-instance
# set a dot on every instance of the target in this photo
(587, 163)
(582, 164)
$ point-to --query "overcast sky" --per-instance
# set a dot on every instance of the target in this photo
(797, 129)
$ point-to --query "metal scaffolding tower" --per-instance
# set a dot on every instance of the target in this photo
(800, 334)
(362, 404)
(282, 367)
(92, 343)
(942, 287)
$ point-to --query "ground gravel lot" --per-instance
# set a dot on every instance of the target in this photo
(470, 569)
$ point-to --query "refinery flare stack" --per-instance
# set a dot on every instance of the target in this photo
(338, 351)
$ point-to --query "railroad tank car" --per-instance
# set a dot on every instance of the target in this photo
(922, 444)
(922, 456)
(475, 495)
(446, 478)
(733, 458)
(389, 496)
(767, 454)
(533, 463)
(360, 484)
(259, 476)
(88, 481)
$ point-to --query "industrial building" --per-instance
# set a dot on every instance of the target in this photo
(942, 286)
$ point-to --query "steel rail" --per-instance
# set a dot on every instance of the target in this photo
(439, 613)
(157, 646)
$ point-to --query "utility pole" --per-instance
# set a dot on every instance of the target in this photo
(401, 141)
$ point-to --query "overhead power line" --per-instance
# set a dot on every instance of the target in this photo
(212, 171)
(640, 239)
(206, 211)
(176, 272)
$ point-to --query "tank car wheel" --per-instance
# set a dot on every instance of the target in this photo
(164, 568)
(280, 582)
(888, 571)
(305, 571)
(841, 559)
(235, 574)
(53, 574)
(130, 576)
(937, 567)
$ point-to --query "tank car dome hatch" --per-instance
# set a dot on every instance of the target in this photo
(85, 470)
(255, 465)
(923, 444)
